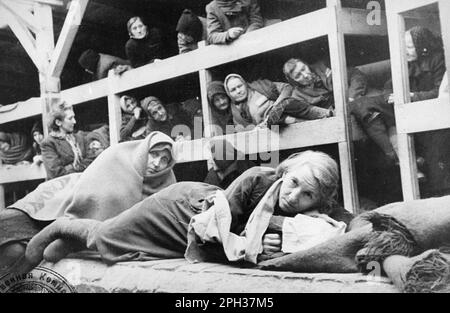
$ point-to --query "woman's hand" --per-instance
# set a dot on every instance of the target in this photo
(235, 32)
(137, 112)
(271, 243)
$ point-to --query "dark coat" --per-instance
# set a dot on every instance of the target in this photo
(144, 51)
(57, 155)
(218, 22)
(176, 116)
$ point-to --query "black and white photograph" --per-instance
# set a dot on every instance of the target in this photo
(224, 153)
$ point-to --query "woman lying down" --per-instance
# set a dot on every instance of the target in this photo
(262, 214)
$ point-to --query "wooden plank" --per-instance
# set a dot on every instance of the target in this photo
(23, 35)
(423, 116)
(249, 44)
(444, 13)
(86, 92)
(114, 111)
(23, 15)
(354, 22)
(2, 198)
(400, 74)
(24, 109)
(16, 173)
(67, 36)
(400, 6)
(205, 79)
(340, 88)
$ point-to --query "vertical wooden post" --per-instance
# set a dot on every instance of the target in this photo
(205, 79)
(444, 14)
(2, 198)
(114, 111)
(336, 43)
(400, 80)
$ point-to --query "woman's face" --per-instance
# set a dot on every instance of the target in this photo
(411, 52)
(295, 195)
(157, 112)
(157, 161)
(38, 137)
(302, 74)
(67, 125)
(221, 102)
(237, 89)
(96, 147)
(129, 105)
(138, 30)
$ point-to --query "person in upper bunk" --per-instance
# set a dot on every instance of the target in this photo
(134, 119)
(426, 67)
(220, 104)
(15, 148)
(258, 103)
(190, 30)
(145, 44)
(99, 64)
(313, 83)
(228, 164)
(64, 151)
(167, 118)
(227, 20)
(37, 134)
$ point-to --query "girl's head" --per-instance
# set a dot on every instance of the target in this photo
(136, 28)
(128, 104)
(298, 73)
(217, 96)
(310, 181)
(4, 142)
(154, 109)
(36, 133)
(236, 88)
(62, 119)
(420, 42)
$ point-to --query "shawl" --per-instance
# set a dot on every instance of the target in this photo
(113, 183)
(19, 150)
(213, 226)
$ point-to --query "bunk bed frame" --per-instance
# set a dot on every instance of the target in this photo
(340, 130)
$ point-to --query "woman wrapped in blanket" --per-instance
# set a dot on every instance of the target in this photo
(166, 225)
(120, 177)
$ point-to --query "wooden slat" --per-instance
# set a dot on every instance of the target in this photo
(114, 111)
(400, 74)
(67, 36)
(256, 42)
(444, 13)
(354, 22)
(400, 6)
(31, 107)
(86, 92)
(16, 173)
(423, 116)
(2, 198)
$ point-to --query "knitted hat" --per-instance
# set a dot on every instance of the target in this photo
(214, 88)
(191, 25)
(89, 60)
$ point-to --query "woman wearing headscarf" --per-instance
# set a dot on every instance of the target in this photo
(120, 177)
(227, 20)
(145, 45)
(220, 105)
(14, 148)
(98, 141)
(134, 120)
(37, 134)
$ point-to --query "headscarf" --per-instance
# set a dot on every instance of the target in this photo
(19, 150)
(147, 102)
(101, 135)
(241, 115)
(221, 118)
(113, 183)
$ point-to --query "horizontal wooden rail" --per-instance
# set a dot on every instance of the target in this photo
(400, 6)
(16, 173)
(356, 22)
(423, 116)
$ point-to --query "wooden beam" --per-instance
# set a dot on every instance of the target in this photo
(444, 13)
(423, 116)
(2, 198)
(401, 6)
(339, 66)
(86, 92)
(16, 173)
(67, 36)
(114, 111)
(400, 79)
(23, 35)
(21, 13)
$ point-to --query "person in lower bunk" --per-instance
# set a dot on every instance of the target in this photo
(243, 221)
(37, 134)
(259, 103)
(220, 104)
(120, 177)
(98, 141)
(134, 119)
(14, 148)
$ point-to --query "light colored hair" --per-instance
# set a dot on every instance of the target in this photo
(323, 179)
(59, 114)
(288, 67)
(133, 20)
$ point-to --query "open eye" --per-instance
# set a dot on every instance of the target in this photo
(308, 194)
